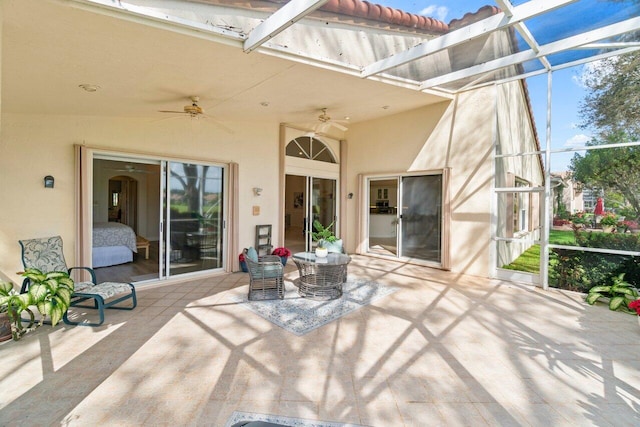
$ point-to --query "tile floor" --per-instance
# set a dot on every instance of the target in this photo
(445, 349)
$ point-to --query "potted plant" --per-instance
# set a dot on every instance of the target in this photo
(283, 253)
(608, 222)
(324, 237)
(50, 293)
(243, 263)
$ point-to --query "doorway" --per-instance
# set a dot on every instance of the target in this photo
(405, 217)
(123, 206)
(174, 209)
(312, 172)
(308, 199)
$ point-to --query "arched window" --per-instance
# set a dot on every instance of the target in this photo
(307, 147)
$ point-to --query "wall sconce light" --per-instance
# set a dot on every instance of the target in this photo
(350, 196)
(48, 181)
(257, 191)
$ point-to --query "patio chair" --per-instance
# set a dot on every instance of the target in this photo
(266, 279)
(46, 255)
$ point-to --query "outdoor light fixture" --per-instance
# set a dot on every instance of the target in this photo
(257, 191)
(48, 181)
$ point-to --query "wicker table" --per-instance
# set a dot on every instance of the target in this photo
(321, 278)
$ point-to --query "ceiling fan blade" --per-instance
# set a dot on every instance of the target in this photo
(339, 126)
(170, 111)
(219, 124)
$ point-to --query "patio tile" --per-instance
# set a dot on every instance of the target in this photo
(443, 350)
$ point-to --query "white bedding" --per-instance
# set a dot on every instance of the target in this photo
(113, 244)
(106, 256)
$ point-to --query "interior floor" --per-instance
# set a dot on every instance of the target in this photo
(138, 270)
(141, 269)
(294, 239)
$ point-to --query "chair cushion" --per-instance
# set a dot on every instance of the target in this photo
(106, 289)
(45, 254)
(268, 272)
(252, 254)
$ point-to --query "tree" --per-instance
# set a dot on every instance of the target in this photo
(615, 170)
(612, 104)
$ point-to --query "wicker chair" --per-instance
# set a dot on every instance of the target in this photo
(266, 279)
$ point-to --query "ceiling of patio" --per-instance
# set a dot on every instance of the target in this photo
(310, 54)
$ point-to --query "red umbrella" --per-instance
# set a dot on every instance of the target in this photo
(599, 209)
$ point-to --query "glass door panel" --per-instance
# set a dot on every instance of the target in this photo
(194, 209)
(421, 217)
(321, 207)
(383, 216)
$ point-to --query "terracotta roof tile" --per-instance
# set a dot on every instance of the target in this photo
(471, 17)
(388, 15)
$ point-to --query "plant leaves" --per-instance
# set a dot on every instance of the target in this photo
(622, 290)
(38, 291)
(616, 303)
(56, 314)
(600, 289)
(593, 297)
(5, 288)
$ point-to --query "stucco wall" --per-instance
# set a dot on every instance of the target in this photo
(516, 135)
(34, 146)
(456, 135)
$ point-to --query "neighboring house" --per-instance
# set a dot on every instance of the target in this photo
(569, 195)
(409, 175)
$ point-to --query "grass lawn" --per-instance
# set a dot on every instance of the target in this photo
(529, 261)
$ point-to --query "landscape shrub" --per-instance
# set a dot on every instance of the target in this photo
(579, 271)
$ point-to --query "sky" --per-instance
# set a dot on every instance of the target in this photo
(567, 93)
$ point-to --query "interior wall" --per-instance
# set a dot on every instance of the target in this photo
(34, 146)
(457, 135)
(148, 193)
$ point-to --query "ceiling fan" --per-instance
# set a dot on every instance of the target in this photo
(193, 109)
(129, 168)
(325, 122)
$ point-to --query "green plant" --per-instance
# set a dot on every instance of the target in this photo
(322, 234)
(50, 293)
(609, 219)
(619, 294)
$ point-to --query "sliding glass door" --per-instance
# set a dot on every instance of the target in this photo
(421, 218)
(194, 212)
(404, 217)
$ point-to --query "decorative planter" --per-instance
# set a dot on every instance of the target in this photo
(638, 319)
(5, 327)
(284, 260)
(607, 228)
(321, 252)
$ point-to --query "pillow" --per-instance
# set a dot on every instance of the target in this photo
(252, 254)
(334, 247)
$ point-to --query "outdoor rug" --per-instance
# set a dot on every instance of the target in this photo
(301, 315)
(237, 416)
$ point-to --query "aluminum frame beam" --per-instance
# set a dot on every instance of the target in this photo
(470, 32)
(549, 49)
(279, 21)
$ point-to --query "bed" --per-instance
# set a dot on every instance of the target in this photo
(113, 243)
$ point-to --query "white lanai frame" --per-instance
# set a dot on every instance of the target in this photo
(597, 40)
(263, 38)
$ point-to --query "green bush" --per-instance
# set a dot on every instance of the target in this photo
(580, 271)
